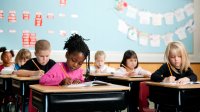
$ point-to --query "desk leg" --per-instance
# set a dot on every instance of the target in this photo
(133, 97)
(46, 103)
(23, 96)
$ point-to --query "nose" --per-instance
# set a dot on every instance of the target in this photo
(75, 65)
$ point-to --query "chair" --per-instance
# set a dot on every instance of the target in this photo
(143, 98)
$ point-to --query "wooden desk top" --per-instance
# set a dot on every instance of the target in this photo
(6, 76)
(26, 78)
(64, 89)
(177, 86)
(129, 78)
(100, 74)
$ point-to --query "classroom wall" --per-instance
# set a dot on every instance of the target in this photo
(100, 25)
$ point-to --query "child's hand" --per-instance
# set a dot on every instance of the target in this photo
(66, 81)
(183, 80)
(97, 71)
(76, 82)
(131, 74)
(169, 79)
(39, 73)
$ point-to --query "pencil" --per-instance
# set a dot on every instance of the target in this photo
(64, 70)
(169, 69)
(36, 65)
(126, 67)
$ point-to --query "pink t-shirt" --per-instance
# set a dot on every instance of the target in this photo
(56, 74)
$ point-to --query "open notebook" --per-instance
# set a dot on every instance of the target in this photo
(173, 83)
(90, 83)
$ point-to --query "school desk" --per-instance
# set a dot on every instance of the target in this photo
(20, 86)
(133, 83)
(174, 97)
(5, 85)
(83, 99)
(99, 76)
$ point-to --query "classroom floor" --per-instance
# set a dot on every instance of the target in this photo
(151, 106)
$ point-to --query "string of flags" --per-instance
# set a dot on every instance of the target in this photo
(143, 37)
(154, 19)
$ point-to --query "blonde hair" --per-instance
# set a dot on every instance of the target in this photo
(42, 45)
(23, 54)
(178, 47)
(100, 53)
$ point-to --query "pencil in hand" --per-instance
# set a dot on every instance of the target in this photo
(41, 71)
(127, 68)
(169, 69)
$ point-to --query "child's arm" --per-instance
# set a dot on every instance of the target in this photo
(53, 77)
(158, 75)
(191, 75)
(28, 73)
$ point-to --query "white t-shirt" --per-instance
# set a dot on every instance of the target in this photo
(103, 69)
(138, 71)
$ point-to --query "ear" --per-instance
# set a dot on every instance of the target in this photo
(66, 54)
(35, 53)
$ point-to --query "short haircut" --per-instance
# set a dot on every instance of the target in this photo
(100, 53)
(42, 45)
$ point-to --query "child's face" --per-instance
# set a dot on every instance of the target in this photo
(43, 56)
(131, 63)
(75, 60)
(7, 57)
(99, 61)
(175, 59)
(23, 61)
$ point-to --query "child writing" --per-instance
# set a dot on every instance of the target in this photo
(129, 66)
(39, 65)
(69, 72)
(22, 57)
(7, 66)
(177, 67)
(99, 64)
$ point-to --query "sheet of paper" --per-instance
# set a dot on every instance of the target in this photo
(179, 14)
(156, 19)
(122, 26)
(131, 12)
(169, 18)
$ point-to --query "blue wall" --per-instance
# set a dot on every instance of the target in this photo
(97, 20)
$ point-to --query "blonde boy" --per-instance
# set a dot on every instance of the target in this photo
(39, 65)
(99, 64)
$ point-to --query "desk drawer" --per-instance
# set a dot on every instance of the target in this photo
(95, 101)
(88, 101)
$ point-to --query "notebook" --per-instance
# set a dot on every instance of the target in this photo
(87, 84)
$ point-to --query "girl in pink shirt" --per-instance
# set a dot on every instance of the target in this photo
(69, 72)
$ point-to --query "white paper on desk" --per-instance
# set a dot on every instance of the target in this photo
(169, 18)
(131, 12)
(189, 9)
(170, 83)
(87, 84)
(122, 26)
(181, 33)
(179, 14)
